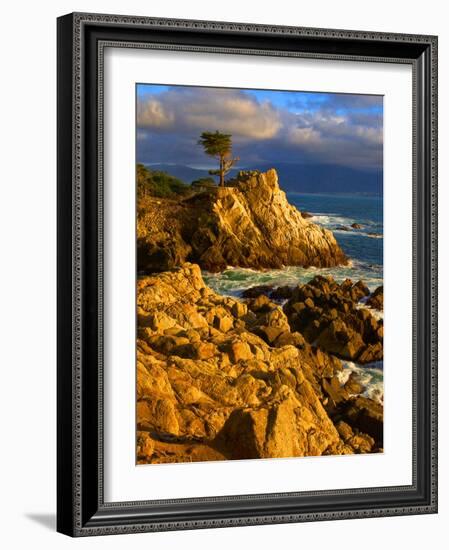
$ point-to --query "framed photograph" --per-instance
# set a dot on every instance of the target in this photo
(247, 274)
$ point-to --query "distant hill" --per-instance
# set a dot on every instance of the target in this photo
(301, 178)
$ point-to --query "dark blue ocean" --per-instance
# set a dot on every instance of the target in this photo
(363, 246)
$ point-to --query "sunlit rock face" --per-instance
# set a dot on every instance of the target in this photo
(220, 379)
(247, 223)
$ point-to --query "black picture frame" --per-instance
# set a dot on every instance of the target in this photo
(81, 510)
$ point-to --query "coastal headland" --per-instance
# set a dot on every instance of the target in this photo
(261, 375)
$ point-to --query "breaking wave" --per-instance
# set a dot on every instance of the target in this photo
(371, 376)
(234, 280)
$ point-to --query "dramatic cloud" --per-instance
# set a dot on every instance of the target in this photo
(232, 111)
(266, 126)
(153, 114)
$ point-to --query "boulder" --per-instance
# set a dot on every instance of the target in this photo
(167, 343)
(361, 443)
(333, 389)
(144, 445)
(372, 352)
(255, 291)
(353, 385)
(269, 333)
(359, 290)
(240, 351)
(376, 299)
(261, 304)
(344, 430)
(281, 428)
(157, 414)
(281, 293)
(290, 339)
(340, 340)
(239, 309)
(365, 415)
(160, 321)
(224, 323)
(196, 350)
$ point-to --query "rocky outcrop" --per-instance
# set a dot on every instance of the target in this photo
(330, 316)
(248, 223)
(218, 378)
(376, 299)
(364, 415)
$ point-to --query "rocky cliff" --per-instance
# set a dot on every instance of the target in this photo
(248, 223)
(219, 378)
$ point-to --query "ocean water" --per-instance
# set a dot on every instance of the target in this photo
(363, 246)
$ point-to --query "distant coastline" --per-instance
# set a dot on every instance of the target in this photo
(297, 178)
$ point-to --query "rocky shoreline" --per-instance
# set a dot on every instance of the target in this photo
(220, 378)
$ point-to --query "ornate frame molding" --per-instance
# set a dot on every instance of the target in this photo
(82, 511)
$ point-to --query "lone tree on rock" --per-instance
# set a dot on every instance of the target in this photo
(219, 146)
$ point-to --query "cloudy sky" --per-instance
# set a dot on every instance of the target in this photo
(266, 126)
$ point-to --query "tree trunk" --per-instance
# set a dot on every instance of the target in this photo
(222, 172)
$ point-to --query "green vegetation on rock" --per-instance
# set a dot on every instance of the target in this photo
(156, 183)
(203, 184)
